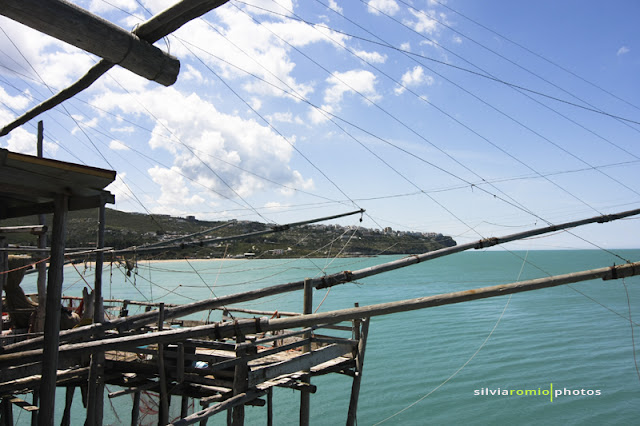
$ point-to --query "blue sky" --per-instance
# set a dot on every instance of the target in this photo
(289, 110)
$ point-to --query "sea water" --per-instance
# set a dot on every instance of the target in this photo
(562, 355)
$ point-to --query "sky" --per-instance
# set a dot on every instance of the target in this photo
(474, 119)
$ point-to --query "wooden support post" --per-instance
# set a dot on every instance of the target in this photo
(270, 407)
(240, 381)
(4, 266)
(135, 410)
(66, 417)
(357, 379)
(305, 397)
(6, 413)
(42, 244)
(95, 405)
(52, 316)
(34, 413)
(163, 414)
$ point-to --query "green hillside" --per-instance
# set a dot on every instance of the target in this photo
(134, 229)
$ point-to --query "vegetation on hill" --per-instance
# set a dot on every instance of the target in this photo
(125, 230)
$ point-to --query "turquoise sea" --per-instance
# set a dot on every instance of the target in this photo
(433, 366)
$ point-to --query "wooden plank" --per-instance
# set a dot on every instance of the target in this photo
(301, 362)
(74, 25)
(23, 404)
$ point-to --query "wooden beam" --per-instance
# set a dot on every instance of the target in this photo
(28, 229)
(234, 401)
(301, 362)
(250, 326)
(330, 280)
(74, 25)
(152, 30)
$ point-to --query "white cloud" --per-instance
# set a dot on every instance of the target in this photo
(118, 146)
(361, 81)
(191, 74)
(173, 189)
(317, 116)
(623, 50)
(18, 102)
(204, 140)
(372, 57)
(126, 129)
(333, 5)
(389, 7)
(423, 24)
(413, 78)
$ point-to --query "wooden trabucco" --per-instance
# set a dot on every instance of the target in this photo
(221, 374)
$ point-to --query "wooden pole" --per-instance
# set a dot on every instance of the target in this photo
(6, 412)
(152, 30)
(66, 417)
(163, 414)
(270, 407)
(357, 379)
(341, 277)
(135, 409)
(74, 25)
(95, 405)
(305, 396)
(42, 244)
(240, 380)
(332, 317)
(34, 413)
(4, 267)
(52, 318)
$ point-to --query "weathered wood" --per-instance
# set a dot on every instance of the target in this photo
(4, 267)
(21, 403)
(42, 243)
(357, 379)
(74, 25)
(249, 326)
(301, 362)
(270, 407)
(234, 401)
(152, 30)
(27, 229)
(34, 402)
(163, 413)
(184, 406)
(240, 381)
(52, 316)
(32, 381)
(305, 397)
(135, 409)
(95, 407)
(6, 412)
(134, 389)
(68, 401)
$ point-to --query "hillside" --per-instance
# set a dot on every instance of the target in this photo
(134, 229)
